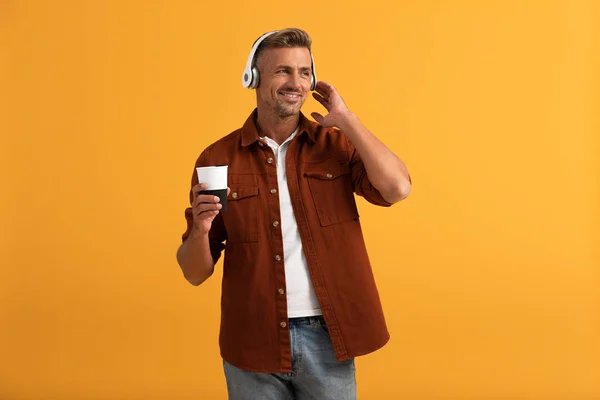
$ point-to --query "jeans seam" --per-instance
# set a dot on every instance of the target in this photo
(300, 346)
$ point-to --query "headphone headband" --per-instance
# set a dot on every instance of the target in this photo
(250, 77)
(247, 78)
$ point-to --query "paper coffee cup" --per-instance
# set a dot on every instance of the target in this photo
(216, 180)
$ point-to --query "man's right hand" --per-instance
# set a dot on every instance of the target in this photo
(204, 208)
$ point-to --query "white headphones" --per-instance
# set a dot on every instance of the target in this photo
(250, 77)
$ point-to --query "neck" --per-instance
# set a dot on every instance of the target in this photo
(275, 127)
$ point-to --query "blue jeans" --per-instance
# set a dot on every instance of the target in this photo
(316, 372)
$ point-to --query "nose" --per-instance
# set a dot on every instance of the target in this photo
(296, 80)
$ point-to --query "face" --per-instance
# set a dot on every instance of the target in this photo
(284, 80)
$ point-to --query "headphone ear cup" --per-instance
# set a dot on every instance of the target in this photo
(313, 75)
(255, 78)
(247, 78)
(250, 77)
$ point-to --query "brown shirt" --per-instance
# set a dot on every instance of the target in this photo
(323, 172)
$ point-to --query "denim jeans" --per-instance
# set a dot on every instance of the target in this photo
(316, 373)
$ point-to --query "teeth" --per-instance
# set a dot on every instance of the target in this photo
(291, 95)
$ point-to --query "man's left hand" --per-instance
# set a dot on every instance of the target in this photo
(332, 101)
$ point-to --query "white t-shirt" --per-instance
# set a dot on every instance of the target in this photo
(301, 298)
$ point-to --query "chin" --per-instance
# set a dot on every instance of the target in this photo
(288, 112)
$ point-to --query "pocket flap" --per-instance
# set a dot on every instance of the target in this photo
(241, 192)
(328, 171)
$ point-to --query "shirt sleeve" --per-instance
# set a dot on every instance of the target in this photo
(217, 234)
(361, 182)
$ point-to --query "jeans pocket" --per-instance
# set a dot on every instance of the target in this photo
(323, 326)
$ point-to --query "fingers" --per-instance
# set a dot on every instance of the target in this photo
(197, 188)
(208, 199)
(324, 88)
(206, 214)
(206, 210)
(326, 95)
(318, 117)
(321, 90)
(200, 187)
(205, 206)
(204, 202)
(320, 99)
(324, 85)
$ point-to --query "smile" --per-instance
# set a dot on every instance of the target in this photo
(291, 95)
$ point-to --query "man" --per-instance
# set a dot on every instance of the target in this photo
(299, 300)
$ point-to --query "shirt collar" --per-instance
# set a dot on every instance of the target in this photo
(274, 144)
(250, 132)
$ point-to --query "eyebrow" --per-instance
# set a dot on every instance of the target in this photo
(280, 66)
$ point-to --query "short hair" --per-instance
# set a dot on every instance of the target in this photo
(288, 37)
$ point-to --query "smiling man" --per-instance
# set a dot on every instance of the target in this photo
(299, 300)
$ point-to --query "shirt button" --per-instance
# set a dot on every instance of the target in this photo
(329, 175)
(269, 160)
(275, 224)
(283, 324)
(273, 191)
(278, 257)
(281, 291)
(260, 144)
(234, 195)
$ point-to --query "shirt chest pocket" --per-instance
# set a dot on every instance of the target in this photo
(330, 185)
(241, 216)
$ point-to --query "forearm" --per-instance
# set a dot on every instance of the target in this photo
(387, 173)
(195, 259)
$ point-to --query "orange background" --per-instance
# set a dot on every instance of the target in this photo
(489, 271)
